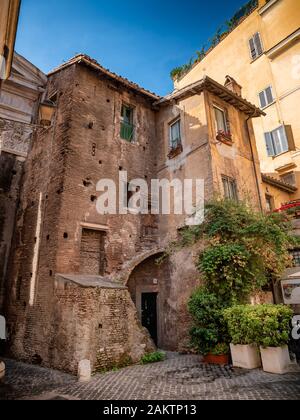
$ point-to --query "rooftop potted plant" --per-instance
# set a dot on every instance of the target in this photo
(243, 327)
(273, 336)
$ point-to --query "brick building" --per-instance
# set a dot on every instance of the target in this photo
(20, 96)
(82, 285)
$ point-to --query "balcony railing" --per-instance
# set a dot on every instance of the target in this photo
(127, 131)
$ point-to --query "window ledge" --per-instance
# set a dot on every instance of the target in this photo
(269, 105)
(257, 58)
(225, 138)
(267, 6)
(173, 153)
(281, 46)
(280, 154)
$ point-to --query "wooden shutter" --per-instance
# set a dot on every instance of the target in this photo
(290, 137)
(227, 121)
(269, 144)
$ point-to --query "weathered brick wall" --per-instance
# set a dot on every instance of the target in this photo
(92, 252)
(11, 171)
(97, 152)
(30, 327)
(97, 324)
(61, 173)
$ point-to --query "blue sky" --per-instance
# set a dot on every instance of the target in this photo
(138, 39)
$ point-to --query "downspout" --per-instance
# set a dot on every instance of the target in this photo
(253, 160)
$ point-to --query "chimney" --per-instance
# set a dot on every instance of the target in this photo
(232, 85)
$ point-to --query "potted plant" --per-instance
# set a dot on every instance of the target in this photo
(243, 327)
(273, 337)
(209, 334)
(218, 355)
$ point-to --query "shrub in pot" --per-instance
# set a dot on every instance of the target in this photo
(218, 355)
(243, 328)
(273, 336)
(209, 335)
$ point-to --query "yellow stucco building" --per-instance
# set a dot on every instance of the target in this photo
(9, 15)
(262, 53)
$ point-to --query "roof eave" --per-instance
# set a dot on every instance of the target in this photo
(82, 59)
(216, 88)
(279, 184)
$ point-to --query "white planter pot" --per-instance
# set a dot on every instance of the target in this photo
(2, 370)
(276, 359)
(246, 356)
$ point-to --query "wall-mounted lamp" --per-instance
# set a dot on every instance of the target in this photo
(46, 112)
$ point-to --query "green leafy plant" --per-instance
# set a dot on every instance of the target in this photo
(265, 325)
(230, 25)
(275, 325)
(220, 349)
(246, 250)
(243, 324)
(153, 358)
(209, 328)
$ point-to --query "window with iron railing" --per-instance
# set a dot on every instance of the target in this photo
(127, 127)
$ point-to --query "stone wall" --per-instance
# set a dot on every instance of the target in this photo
(94, 323)
(58, 204)
(11, 171)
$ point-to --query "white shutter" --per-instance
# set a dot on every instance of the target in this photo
(269, 144)
(262, 98)
(283, 139)
(269, 95)
(258, 44)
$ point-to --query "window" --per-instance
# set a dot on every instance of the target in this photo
(270, 203)
(175, 134)
(266, 97)
(289, 178)
(255, 44)
(221, 120)
(278, 141)
(127, 127)
(92, 252)
(296, 257)
(230, 188)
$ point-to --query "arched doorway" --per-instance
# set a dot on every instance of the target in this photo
(149, 287)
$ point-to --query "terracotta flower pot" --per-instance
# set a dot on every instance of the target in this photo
(211, 359)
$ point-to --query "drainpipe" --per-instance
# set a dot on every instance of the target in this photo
(254, 166)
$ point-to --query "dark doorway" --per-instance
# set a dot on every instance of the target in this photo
(149, 314)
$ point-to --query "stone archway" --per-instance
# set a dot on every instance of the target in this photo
(149, 287)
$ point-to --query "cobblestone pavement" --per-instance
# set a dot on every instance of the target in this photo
(178, 378)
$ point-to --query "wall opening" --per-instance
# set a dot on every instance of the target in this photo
(92, 252)
(150, 288)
